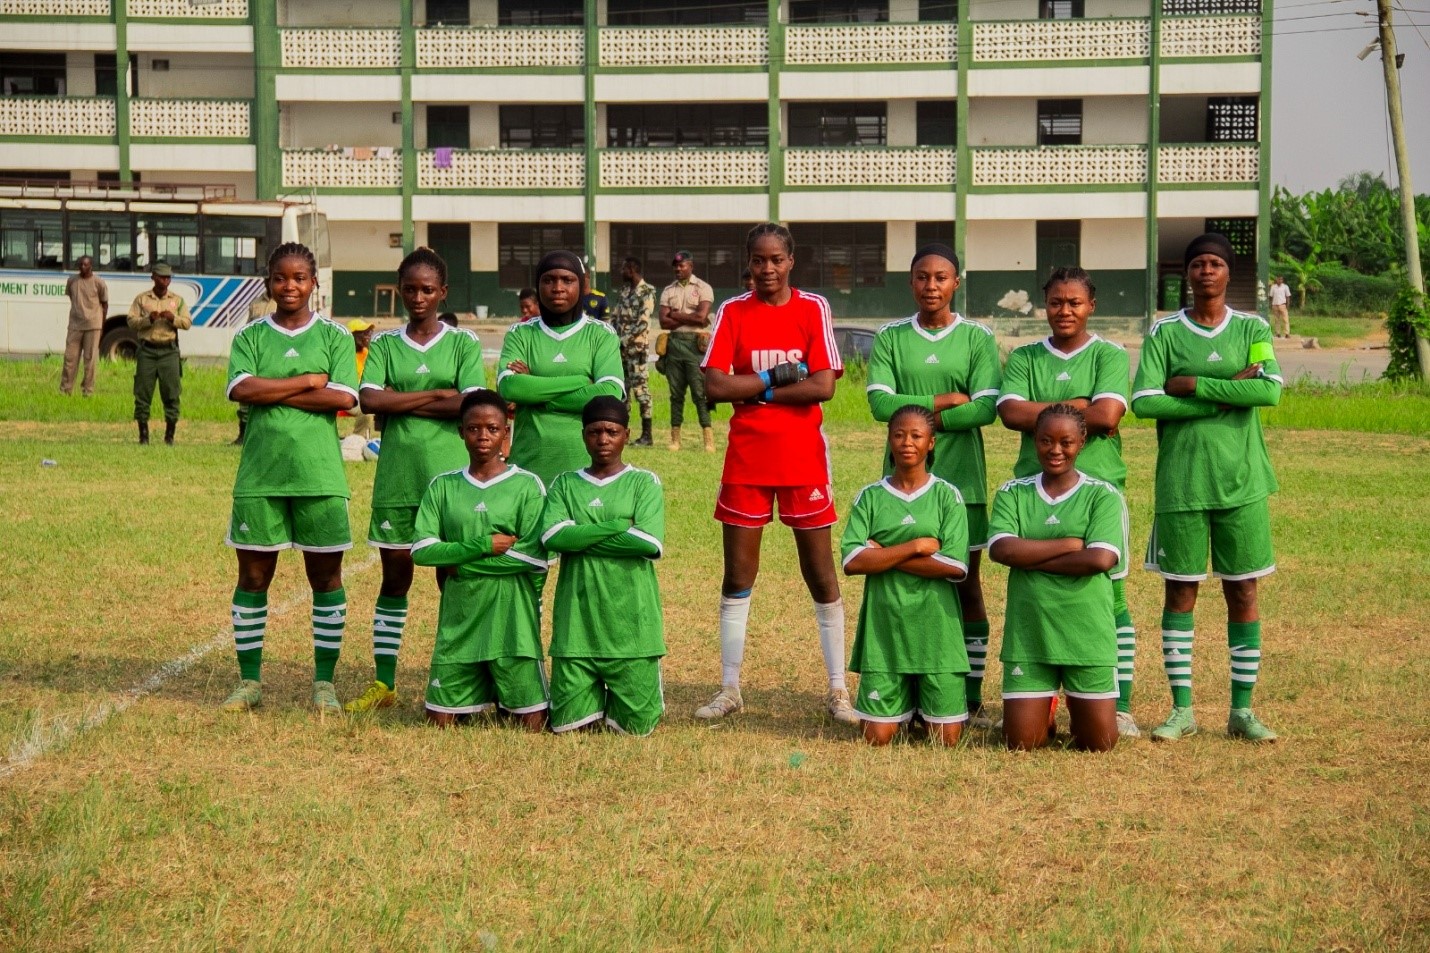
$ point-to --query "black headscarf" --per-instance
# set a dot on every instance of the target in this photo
(606, 407)
(567, 261)
(1212, 243)
(939, 249)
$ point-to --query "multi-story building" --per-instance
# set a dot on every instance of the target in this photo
(1027, 132)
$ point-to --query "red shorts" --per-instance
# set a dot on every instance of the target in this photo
(801, 507)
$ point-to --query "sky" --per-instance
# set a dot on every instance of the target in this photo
(1328, 116)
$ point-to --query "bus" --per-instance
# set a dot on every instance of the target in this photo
(217, 246)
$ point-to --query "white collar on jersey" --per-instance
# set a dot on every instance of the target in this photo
(909, 497)
(467, 472)
(561, 335)
(1048, 343)
(1081, 479)
(442, 329)
(598, 482)
(313, 319)
(1207, 332)
(941, 333)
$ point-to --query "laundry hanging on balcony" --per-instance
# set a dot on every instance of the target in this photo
(442, 157)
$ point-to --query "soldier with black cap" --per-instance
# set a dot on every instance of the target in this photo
(685, 316)
(157, 316)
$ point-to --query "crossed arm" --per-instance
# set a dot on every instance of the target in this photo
(917, 557)
(305, 391)
(1066, 556)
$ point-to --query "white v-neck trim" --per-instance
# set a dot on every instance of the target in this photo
(910, 497)
(561, 336)
(596, 482)
(424, 348)
(312, 320)
(1048, 343)
(1081, 479)
(942, 333)
(1203, 331)
(490, 483)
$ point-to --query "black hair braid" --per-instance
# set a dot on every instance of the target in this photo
(1070, 273)
(924, 414)
(1062, 410)
(423, 255)
(769, 228)
(293, 250)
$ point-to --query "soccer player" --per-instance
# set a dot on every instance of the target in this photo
(1060, 532)
(772, 355)
(1204, 372)
(415, 376)
(483, 523)
(551, 367)
(607, 636)
(1075, 367)
(295, 370)
(949, 364)
(909, 534)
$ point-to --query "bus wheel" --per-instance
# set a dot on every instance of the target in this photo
(119, 344)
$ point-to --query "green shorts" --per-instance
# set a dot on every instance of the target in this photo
(1040, 680)
(518, 685)
(392, 527)
(1239, 538)
(892, 698)
(977, 526)
(627, 692)
(313, 524)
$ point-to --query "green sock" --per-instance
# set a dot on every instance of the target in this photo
(330, 616)
(1177, 633)
(975, 640)
(1126, 644)
(1244, 638)
(250, 619)
(388, 620)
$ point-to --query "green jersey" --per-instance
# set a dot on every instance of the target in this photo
(1051, 618)
(288, 451)
(1044, 375)
(908, 624)
(1211, 454)
(415, 449)
(492, 609)
(569, 365)
(912, 364)
(611, 530)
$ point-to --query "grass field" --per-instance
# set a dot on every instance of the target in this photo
(135, 815)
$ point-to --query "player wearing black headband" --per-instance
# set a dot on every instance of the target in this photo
(552, 365)
(607, 635)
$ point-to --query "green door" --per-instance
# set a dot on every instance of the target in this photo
(453, 241)
(1059, 243)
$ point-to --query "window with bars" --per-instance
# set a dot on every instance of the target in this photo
(839, 255)
(1060, 9)
(839, 124)
(542, 127)
(838, 11)
(1059, 122)
(938, 10)
(1201, 8)
(541, 12)
(448, 13)
(711, 12)
(1241, 232)
(672, 125)
(718, 249)
(521, 247)
(1232, 119)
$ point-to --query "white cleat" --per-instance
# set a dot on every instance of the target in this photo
(727, 701)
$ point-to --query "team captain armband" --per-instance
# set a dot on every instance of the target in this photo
(1260, 352)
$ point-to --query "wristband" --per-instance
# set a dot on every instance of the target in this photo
(769, 394)
(764, 377)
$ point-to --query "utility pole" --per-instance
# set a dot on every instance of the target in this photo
(1402, 164)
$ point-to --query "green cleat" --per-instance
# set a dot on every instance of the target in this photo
(325, 698)
(377, 696)
(1181, 723)
(246, 697)
(1243, 724)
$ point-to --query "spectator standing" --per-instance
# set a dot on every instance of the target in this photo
(262, 307)
(1280, 296)
(157, 316)
(89, 306)
(593, 302)
(527, 302)
(634, 308)
(362, 337)
(685, 314)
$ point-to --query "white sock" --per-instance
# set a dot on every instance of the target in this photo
(734, 618)
(829, 617)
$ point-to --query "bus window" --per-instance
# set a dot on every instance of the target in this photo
(313, 232)
(234, 245)
(31, 239)
(106, 237)
(173, 239)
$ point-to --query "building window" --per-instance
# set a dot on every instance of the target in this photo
(1202, 8)
(521, 247)
(839, 255)
(644, 13)
(1060, 9)
(106, 74)
(938, 10)
(838, 11)
(1059, 244)
(669, 125)
(937, 122)
(926, 233)
(838, 124)
(32, 74)
(1060, 122)
(1232, 119)
(542, 127)
(448, 13)
(1241, 232)
(540, 12)
(449, 126)
(719, 251)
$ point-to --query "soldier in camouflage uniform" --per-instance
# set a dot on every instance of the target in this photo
(630, 317)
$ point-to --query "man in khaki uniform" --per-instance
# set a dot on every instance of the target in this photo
(89, 306)
(158, 316)
(685, 314)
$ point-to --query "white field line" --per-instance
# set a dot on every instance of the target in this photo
(43, 736)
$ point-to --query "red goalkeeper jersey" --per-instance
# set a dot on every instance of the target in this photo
(775, 444)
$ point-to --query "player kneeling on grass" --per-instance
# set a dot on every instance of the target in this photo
(1061, 533)
(607, 633)
(909, 534)
(484, 522)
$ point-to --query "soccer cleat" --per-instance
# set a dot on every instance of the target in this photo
(840, 708)
(727, 701)
(325, 698)
(377, 696)
(1127, 725)
(1181, 723)
(247, 696)
(1243, 724)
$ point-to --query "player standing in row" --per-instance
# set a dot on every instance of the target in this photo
(295, 370)
(772, 355)
(1204, 372)
(908, 534)
(1060, 533)
(415, 376)
(482, 523)
(1074, 367)
(942, 361)
(552, 365)
(607, 633)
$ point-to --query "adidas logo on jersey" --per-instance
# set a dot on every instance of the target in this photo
(559, 359)
(596, 502)
(1064, 376)
(243, 527)
(436, 683)
(907, 520)
(292, 352)
(816, 496)
(1161, 554)
(386, 524)
(931, 359)
(1213, 356)
(422, 369)
(1052, 520)
(873, 696)
(480, 507)
(1017, 670)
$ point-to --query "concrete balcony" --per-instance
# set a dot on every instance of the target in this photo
(464, 48)
(1200, 164)
(341, 49)
(1206, 37)
(185, 10)
(882, 44)
(57, 117)
(342, 170)
(676, 170)
(190, 119)
(683, 47)
(1022, 42)
(870, 167)
(503, 170)
(54, 9)
(1016, 167)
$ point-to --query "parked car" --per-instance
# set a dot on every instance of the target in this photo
(855, 342)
